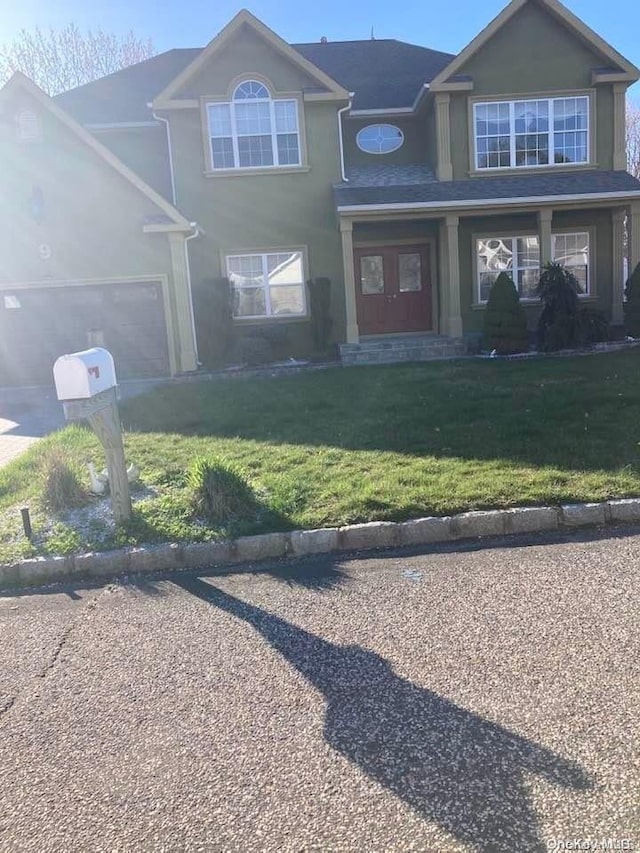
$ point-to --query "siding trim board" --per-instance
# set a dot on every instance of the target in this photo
(487, 204)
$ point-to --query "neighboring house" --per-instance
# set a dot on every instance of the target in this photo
(407, 176)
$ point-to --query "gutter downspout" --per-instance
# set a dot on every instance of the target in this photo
(165, 121)
(196, 233)
(340, 139)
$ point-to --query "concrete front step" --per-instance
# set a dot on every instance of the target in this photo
(381, 351)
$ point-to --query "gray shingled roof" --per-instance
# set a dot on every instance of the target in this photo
(499, 187)
(383, 73)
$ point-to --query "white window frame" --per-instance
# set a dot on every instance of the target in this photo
(235, 136)
(514, 254)
(269, 315)
(549, 133)
(400, 141)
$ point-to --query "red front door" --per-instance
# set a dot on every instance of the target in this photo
(393, 289)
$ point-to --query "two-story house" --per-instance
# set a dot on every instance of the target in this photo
(408, 176)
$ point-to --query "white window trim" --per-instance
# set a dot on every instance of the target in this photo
(268, 316)
(235, 135)
(380, 124)
(512, 134)
(519, 236)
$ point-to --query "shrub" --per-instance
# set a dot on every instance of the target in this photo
(505, 323)
(593, 326)
(214, 321)
(220, 491)
(61, 486)
(632, 305)
(558, 326)
(320, 308)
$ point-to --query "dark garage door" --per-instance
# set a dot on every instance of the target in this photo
(37, 326)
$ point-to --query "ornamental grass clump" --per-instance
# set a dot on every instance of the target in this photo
(220, 492)
(505, 323)
(61, 486)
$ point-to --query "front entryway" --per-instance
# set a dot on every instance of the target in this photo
(393, 289)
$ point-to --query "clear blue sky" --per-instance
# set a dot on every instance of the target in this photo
(441, 25)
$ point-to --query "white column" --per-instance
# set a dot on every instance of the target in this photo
(454, 318)
(617, 272)
(545, 215)
(346, 233)
(443, 136)
(186, 356)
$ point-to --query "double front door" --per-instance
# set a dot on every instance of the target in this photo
(393, 289)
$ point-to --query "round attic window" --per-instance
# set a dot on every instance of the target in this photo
(379, 138)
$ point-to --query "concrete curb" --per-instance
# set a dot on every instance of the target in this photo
(303, 543)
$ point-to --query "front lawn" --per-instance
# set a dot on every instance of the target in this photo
(359, 444)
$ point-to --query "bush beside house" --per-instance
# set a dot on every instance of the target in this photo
(632, 305)
(505, 324)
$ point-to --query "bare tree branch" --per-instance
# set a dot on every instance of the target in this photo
(61, 59)
(633, 138)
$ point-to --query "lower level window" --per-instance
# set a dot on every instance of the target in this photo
(520, 257)
(267, 285)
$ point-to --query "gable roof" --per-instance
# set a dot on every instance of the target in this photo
(628, 70)
(242, 19)
(383, 73)
(20, 81)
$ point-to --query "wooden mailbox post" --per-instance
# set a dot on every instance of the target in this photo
(86, 386)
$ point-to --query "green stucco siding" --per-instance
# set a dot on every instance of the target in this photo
(246, 53)
(92, 217)
(145, 151)
(532, 53)
(413, 149)
(255, 212)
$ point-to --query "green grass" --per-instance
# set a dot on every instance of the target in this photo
(344, 446)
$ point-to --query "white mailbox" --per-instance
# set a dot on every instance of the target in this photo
(81, 375)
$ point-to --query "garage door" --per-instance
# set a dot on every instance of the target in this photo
(37, 326)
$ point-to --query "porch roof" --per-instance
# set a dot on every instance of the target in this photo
(415, 186)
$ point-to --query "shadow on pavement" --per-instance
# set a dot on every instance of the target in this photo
(451, 766)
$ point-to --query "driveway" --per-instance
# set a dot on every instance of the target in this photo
(27, 414)
(478, 700)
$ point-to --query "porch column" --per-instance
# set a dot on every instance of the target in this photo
(451, 278)
(346, 233)
(183, 317)
(443, 133)
(545, 215)
(634, 236)
(617, 279)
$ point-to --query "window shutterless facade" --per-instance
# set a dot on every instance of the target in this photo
(254, 130)
(530, 133)
(519, 256)
(271, 284)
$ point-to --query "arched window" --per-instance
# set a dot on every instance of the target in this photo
(254, 130)
(28, 125)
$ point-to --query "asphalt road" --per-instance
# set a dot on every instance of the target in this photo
(483, 699)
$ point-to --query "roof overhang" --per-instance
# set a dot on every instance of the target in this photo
(476, 204)
(628, 71)
(332, 90)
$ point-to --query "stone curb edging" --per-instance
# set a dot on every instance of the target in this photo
(303, 543)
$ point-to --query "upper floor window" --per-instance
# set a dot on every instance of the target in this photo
(379, 138)
(540, 132)
(254, 130)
